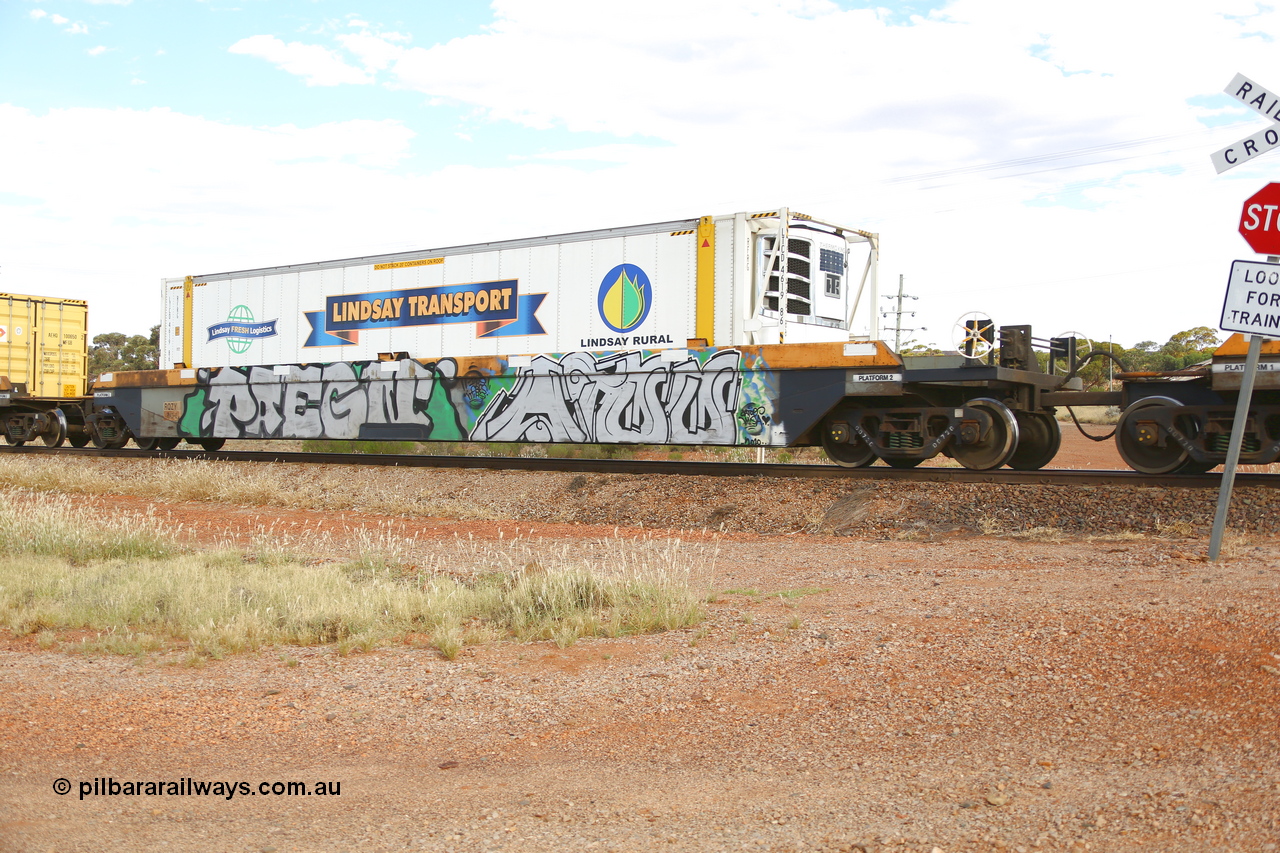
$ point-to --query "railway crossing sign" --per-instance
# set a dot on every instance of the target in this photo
(1252, 303)
(1260, 220)
(1262, 101)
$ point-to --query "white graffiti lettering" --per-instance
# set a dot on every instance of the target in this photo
(618, 398)
(329, 401)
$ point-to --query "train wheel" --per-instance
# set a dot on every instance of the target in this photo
(114, 442)
(1039, 438)
(211, 445)
(999, 445)
(167, 443)
(1145, 455)
(56, 433)
(849, 454)
(902, 462)
(145, 443)
(14, 442)
(78, 434)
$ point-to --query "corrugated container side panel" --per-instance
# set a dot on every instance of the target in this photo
(677, 267)
(731, 283)
(43, 344)
(171, 329)
(293, 327)
(725, 281)
(15, 338)
(535, 268)
(485, 266)
(277, 303)
(331, 283)
(204, 306)
(432, 337)
(64, 352)
(572, 308)
(364, 279)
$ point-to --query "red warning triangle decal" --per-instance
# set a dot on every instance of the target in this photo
(706, 244)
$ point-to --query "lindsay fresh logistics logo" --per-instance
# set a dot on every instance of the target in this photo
(624, 300)
(240, 330)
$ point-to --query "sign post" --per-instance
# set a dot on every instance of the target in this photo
(1233, 449)
(1251, 306)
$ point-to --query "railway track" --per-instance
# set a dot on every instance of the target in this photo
(1004, 476)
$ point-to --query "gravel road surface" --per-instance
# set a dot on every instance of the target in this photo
(903, 668)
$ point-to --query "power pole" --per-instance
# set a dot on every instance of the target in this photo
(897, 316)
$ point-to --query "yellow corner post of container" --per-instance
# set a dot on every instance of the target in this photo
(188, 294)
(706, 278)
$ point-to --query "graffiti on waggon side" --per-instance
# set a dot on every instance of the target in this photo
(326, 401)
(625, 397)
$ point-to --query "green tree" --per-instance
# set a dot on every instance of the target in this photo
(913, 348)
(1143, 356)
(1097, 371)
(114, 351)
(1190, 346)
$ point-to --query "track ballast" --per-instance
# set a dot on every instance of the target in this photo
(1004, 476)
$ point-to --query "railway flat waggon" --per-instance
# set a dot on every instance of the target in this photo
(749, 329)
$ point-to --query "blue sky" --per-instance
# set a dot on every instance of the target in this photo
(1032, 160)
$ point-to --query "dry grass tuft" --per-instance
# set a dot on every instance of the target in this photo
(140, 589)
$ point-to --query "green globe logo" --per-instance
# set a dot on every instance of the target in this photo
(240, 314)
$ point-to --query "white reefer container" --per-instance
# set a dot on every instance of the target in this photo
(710, 281)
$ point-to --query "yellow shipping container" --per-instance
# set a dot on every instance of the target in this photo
(43, 345)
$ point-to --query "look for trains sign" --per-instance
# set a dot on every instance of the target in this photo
(1252, 304)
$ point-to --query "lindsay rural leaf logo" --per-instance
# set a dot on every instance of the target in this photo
(625, 297)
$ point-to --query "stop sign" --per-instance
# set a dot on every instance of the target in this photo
(1260, 220)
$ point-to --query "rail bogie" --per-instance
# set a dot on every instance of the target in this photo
(1181, 422)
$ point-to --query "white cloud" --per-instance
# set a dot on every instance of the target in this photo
(75, 28)
(137, 207)
(1031, 161)
(376, 53)
(96, 51)
(318, 65)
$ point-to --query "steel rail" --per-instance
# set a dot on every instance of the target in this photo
(1001, 476)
